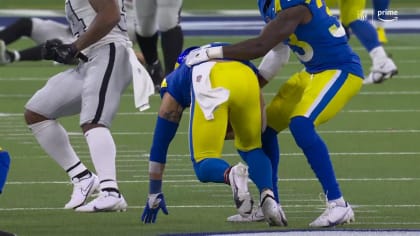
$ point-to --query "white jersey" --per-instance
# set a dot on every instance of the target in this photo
(80, 15)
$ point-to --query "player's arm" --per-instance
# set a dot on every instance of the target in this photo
(272, 62)
(107, 17)
(276, 31)
(170, 113)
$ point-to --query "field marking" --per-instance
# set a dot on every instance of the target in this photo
(369, 93)
(125, 133)
(194, 180)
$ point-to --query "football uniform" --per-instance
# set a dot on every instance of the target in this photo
(93, 88)
(332, 74)
(242, 108)
(157, 15)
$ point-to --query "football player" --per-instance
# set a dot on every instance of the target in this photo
(352, 17)
(156, 17)
(332, 75)
(93, 90)
(220, 93)
(39, 30)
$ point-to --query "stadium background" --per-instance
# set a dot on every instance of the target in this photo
(374, 144)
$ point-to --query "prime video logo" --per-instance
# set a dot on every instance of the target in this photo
(387, 15)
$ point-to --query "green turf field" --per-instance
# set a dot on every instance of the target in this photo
(374, 143)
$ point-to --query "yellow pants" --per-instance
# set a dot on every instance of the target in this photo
(242, 110)
(316, 96)
(350, 10)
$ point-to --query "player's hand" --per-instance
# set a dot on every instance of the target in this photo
(63, 53)
(48, 51)
(196, 56)
(153, 204)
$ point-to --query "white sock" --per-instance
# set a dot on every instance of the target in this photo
(17, 55)
(54, 140)
(339, 201)
(103, 151)
(378, 55)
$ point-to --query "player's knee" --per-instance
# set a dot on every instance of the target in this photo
(25, 26)
(211, 170)
(33, 117)
(303, 131)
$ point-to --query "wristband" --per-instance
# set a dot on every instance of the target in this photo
(215, 52)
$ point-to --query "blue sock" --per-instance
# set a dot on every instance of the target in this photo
(316, 153)
(211, 170)
(4, 168)
(271, 148)
(259, 168)
(165, 131)
(366, 34)
(379, 5)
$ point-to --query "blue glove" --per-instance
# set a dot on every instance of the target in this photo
(154, 202)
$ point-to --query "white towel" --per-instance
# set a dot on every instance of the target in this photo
(208, 98)
(142, 83)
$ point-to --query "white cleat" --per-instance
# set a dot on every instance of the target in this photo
(4, 57)
(273, 213)
(334, 215)
(256, 216)
(238, 178)
(105, 202)
(82, 189)
(381, 71)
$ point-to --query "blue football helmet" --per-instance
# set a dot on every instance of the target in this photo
(181, 57)
(267, 10)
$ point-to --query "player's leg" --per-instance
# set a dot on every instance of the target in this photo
(147, 37)
(4, 167)
(246, 118)
(13, 32)
(172, 37)
(100, 102)
(39, 30)
(55, 100)
(326, 95)
(352, 16)
(380, 6)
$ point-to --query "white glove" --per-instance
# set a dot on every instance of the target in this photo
(199, 55)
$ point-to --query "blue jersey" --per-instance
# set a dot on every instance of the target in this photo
(178, 83)
(321, 44)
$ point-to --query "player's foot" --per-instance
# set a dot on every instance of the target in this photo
(4, 56)
(238, 179)
(381, 35)
(156, 72)
(256, 216)
(105, 202)
(82, 189)
(381, 71)
(334, 215)
(273, 213)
